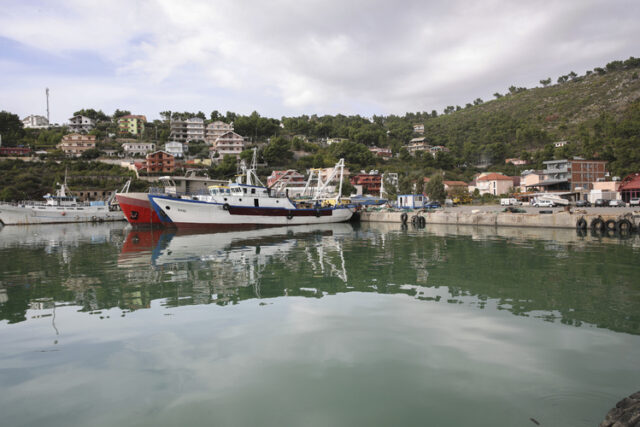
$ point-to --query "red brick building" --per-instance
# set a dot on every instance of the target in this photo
(160, 161)
(630, 187)
(15, 151)
(370, 182)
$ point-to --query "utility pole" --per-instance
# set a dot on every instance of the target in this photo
(47, 93)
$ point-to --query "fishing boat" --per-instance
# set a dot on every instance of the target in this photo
(59, 208)
(137, 207)
(249, 204)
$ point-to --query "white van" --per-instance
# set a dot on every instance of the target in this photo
(510, 202)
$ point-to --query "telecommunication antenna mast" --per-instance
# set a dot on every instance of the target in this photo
(47, 92)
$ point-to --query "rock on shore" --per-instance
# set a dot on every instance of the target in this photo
(625, 414)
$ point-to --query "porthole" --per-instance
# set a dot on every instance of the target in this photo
(168, 207)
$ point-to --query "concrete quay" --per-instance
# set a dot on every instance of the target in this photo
(453, 216)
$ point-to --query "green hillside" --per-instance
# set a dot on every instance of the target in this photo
(577, 110)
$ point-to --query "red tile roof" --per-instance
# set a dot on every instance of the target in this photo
(495, 177)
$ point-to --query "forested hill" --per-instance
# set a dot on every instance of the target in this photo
(587, 111)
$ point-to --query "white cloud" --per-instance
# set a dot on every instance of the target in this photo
(290, 57)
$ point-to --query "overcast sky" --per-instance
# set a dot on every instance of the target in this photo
(292, 57)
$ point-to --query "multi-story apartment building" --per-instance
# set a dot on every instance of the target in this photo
(132, 124)
(178, 131)
(81, 124)
(195, 129)
(289, 177)
(136, 148)
(572, 175)
(160, 161)
(35, 122)
(229, 143)
(75, 144)
(188, 130)
(418, 144)
(215, 130)
(370, 182)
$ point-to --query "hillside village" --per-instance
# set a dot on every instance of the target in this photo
(579, 137)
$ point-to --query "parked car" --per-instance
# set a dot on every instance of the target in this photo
(635, 201)
(583, 204)
(510, 202)
(432, 205)
(543, 204)
(617, 203)
(600, 203)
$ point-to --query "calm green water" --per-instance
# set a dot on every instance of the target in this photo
(316, 326)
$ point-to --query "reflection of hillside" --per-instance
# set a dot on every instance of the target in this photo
(552, 275)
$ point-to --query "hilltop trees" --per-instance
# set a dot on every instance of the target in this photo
(98, 116)
(11, 128)
(435, 188)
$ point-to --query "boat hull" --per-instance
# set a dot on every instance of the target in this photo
(26, 214)
(197, 214)
(137, 210)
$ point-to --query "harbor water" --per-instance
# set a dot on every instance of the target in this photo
(330, 325)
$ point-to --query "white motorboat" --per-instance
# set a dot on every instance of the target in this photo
(58, 208)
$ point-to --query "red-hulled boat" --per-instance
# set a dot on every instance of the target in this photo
(137, 209)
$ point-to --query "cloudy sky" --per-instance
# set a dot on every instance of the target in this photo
(291, 57)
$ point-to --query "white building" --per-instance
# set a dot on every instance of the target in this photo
(35, 122)
(215, 130)
(229, 143)
(81, 124)
(195, 129)
(175, 148)
(138, 148)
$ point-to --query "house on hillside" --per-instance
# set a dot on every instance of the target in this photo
(160, 161)
(131, 124)
(493, 183)
(35, 122)
(215, 130)
(229, 143)
(81, 124)
(175, 148)
(75, 144)
(137, 148)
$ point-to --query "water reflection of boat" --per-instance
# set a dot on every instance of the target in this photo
(50, 235)
(261, 244)
(138, 246)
